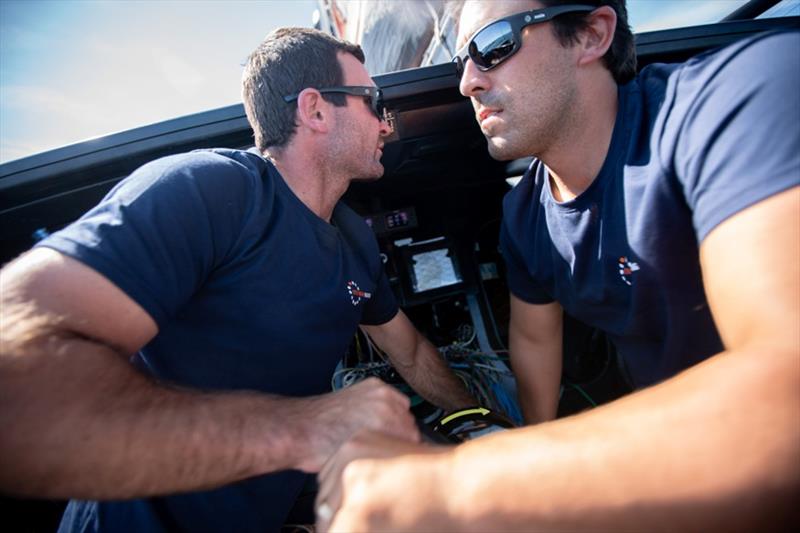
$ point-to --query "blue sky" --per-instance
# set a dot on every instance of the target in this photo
(72, 70)
(75, 69)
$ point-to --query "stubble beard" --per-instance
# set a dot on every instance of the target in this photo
(536, 119)
(373, 176)
(356, 163)
(367, 170)
(501, 137)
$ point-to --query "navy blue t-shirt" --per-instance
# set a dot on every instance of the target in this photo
(693, 144)
(250, 290)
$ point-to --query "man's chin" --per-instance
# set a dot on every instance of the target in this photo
(373, 176)
(500, 150)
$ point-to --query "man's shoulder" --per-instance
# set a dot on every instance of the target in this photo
(781, 44)
(216, 160)
(738, 59)
(714, 102)
(206, 169)
(248, 159)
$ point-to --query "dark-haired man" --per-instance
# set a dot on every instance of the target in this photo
(234, 281)
(664, 210)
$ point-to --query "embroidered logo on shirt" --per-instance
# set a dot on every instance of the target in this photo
(356, 294)
(626, 269)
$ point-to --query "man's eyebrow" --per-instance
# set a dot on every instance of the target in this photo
(466, 37)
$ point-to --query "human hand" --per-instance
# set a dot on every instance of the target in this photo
(334, 418)
(376, 481)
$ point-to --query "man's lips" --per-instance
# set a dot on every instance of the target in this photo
(487, 112)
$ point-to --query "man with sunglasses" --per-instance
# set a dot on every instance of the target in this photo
(662, 208)
(166, 358)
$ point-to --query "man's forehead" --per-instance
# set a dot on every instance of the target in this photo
(476, 13)
(353, 70)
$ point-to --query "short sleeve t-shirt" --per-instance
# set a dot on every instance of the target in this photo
(250, 290)
(693, 144)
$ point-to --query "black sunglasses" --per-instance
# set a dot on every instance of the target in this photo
(373, 94)
(500, 39)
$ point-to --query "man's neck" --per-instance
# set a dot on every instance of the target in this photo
(310, 181)
(576, 159)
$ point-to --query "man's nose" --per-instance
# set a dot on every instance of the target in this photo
(473, 80)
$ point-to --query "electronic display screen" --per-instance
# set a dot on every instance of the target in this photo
(433, 269)
(397, 219)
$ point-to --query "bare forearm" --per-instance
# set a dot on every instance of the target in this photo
(87, 425)
(80, 422)
(537, 369)
(434, 380)
(420, 363)
(535, 345)
(538, 399)
(719, 446)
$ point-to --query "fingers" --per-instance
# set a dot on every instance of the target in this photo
(370, 404)
(329, 496)
(385, 409)
(324, 515)
(364, 444)
(348, 464)
(374, 387)
(354, 480)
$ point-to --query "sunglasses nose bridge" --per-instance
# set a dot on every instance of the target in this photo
(462, 66)
(472, 79)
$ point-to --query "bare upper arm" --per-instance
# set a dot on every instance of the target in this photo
(535, 323)
(751, 273)
(44, 288)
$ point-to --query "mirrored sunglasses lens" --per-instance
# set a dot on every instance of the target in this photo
(370, 101)
(492, 45)
(377, 104)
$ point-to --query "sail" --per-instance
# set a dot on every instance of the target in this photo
(395, 34)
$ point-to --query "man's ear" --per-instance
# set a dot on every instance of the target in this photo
(313, 111)
(597, 36)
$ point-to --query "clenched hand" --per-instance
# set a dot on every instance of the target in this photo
(377, 482)
(334, 418)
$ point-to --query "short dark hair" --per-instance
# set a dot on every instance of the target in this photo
(286, 62)
(620, 58)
